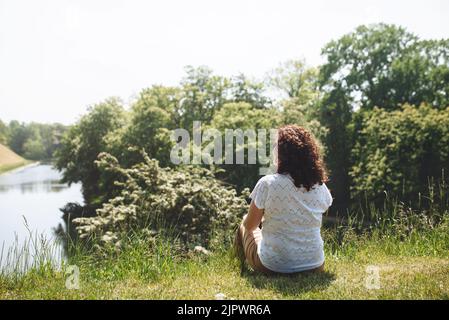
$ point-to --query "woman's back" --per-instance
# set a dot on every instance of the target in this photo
(291, 240)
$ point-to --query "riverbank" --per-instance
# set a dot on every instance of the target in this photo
(360, 267)
(18, 166)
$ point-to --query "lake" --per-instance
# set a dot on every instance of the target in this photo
(33, 192)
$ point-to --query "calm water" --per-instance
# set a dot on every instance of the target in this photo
(36, 194)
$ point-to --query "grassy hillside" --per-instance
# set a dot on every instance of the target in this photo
(9, 159)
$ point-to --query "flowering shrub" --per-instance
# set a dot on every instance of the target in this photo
(190, 201)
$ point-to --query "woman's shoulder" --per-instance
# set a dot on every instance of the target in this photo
(265, 179)
(277, 182)
(321, 192)
(270, 179)
(286, 180)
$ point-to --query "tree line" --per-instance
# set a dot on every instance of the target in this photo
(378, 105)
(33, 141)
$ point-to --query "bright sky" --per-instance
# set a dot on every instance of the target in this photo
(59, 56)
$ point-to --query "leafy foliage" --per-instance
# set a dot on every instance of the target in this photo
(81, 146)
(34, 141)
(244, 116)
(153, 115)
(386, 66)
(295, 80)
(243, 89)
(362, 104)
(203, 94)
(397, 151)
(198, 207)
(3, 133)
(379, 65)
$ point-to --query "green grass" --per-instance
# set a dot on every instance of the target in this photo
(415, 266)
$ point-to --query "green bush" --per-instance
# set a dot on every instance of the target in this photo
(189, 201)
(398, 151)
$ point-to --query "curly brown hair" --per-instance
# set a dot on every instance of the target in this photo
(299, 155)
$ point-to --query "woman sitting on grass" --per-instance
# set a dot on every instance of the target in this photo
(290, 204)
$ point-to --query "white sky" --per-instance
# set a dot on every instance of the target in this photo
(57, 57)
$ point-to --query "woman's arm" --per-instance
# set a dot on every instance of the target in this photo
(252, 220)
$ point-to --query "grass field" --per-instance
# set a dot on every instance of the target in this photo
(9, 160)
(366, 266)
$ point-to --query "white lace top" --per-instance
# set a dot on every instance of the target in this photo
(291, 239)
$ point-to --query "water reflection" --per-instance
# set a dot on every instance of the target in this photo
(42, 186)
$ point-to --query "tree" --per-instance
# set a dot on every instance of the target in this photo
(422, 74)
(379, 65)
(34, 149)
(81, 146)
(34, 141)
(386, 66)
(298, 84)
(399, 151)
(244, 116)
(203, 94)
(153, 115)
(3, 133)
(246, 90)
(335, 116)
(19, 133)
(51, 135)
(295, 80)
